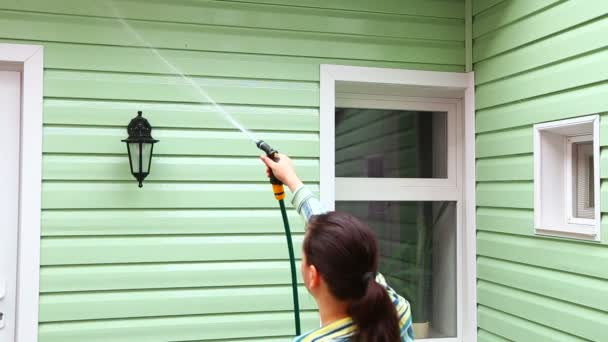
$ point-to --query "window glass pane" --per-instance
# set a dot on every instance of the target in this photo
(417, 242)
(583, 182)
(390, 143)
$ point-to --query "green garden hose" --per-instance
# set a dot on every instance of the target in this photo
(292, 262)
(279, 194)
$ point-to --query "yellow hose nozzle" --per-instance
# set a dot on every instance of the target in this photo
(279, 191)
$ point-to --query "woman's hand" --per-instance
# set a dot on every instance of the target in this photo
(283, 170)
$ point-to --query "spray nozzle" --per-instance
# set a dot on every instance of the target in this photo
(270, 152)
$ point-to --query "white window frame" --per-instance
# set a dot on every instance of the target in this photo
(431, 81)
(419, 189)
(29, 60)
(584, 229)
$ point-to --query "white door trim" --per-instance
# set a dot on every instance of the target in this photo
(29, 60)
(433, 80)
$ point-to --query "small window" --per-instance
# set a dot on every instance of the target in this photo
(566, 178)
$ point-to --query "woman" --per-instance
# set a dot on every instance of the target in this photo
(339, 268)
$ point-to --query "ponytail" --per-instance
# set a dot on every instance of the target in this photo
(375, 316)
(344, 250)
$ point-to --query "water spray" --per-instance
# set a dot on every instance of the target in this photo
(279, 193)
(277, 185)
(204, 96)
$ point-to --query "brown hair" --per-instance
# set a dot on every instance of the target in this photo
(345, 252)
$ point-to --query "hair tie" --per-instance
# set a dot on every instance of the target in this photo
(367, 276)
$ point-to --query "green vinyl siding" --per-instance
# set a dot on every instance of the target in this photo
(198, 253)
(535, 61)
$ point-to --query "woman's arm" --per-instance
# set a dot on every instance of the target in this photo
(305, 202)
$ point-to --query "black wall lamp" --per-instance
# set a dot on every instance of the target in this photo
(139, 145)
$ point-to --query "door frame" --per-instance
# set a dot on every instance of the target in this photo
(435, 85)
(28, 59)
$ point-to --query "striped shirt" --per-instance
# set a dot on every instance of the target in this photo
(343, 330)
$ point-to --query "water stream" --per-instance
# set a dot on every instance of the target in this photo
(204, 96)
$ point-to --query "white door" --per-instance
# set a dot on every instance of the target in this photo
(10, 114)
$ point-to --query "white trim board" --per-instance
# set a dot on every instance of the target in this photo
(434, 83)
(29, 60)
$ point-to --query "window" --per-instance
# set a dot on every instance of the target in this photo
(395, 168)
(392, 152)
(388, 144)
(567, 179)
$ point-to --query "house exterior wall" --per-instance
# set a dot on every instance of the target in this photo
(535, 61)
(199, 252)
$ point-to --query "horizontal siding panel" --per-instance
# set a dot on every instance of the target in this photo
(512, 168)
(564, 255)
(506, 194)
(576, 41)
(61, 28)
(486, 336)
(96, 140)
(506, 220)
(70, 56)
(516, 221)
(570, 13)
(106, 250)
(505, 13)
(603, 128)
(512, 141)
(166, 275)
(579, 321)
(114, 195)
(166, 222)
(179, 115)
(181, 328)
(165, 168)
(89, 85)
(223, 13)
(586, 291)
(518, 329)
(573, 73)
(432, 8)
(577, 102)
(84, 306)
(483, 5)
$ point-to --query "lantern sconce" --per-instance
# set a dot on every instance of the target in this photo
(139, 146)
